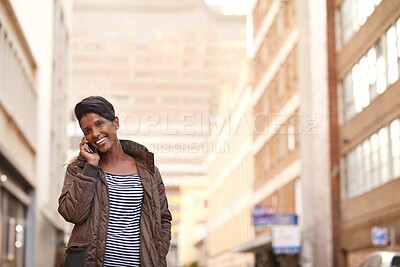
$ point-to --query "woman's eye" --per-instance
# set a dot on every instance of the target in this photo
(99, 123)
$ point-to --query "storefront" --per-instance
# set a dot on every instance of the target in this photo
(261, 247)
(14, 203)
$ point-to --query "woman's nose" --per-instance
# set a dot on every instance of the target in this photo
(96, 132)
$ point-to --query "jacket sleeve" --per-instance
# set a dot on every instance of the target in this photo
(77, 193)
(166, 216)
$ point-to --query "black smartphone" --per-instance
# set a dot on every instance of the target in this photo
(91, 148)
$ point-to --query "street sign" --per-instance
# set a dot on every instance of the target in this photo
(286, 239)
(263, 218)
(379, 236)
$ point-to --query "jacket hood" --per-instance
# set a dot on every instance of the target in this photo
(139, 152)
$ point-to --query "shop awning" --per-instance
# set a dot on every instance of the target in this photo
(258, 243)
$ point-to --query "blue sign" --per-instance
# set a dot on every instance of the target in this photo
(286, 219)
(287, 250)
(264, 216)
(379, 236)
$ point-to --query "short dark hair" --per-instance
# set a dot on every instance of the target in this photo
(95, 104)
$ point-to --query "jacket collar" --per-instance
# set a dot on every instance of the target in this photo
(139, 152)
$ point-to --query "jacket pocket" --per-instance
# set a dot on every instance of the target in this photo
(75, 257)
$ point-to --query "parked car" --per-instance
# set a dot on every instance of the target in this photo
(382, 259)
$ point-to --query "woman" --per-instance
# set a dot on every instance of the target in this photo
(114, 195)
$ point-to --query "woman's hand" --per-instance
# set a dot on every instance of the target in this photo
(85, 151)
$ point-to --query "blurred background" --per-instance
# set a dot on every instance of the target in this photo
(275, 123)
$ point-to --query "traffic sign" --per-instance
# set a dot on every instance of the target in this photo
(379, 236)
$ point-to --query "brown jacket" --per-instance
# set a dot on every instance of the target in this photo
(84, 202)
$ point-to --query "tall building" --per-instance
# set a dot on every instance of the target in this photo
(367, 62)
(230, 175)
(33, 58)
(162, 64)
(275, 108)
(291, 134)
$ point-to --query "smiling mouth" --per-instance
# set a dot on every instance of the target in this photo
(101, 140)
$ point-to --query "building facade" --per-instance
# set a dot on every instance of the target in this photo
(367, 75)
(230, 174)
(291, 134)
(31, 166)
(275, 105)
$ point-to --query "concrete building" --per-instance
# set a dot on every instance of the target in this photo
(367, 63)
(275, 107)
(33, 58)
(291, 133)
(230, 173)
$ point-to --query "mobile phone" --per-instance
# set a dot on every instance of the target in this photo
(90, 147)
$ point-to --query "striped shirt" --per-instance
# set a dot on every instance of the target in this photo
(123, 235)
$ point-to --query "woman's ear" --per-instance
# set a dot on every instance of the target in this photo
(116, 123)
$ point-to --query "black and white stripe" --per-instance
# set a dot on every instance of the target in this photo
(123, 236)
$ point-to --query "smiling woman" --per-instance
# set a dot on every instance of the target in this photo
(114, 195)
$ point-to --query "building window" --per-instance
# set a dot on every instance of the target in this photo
(372, 74)
(17, 89)
(392, 56)
(12, 227)
(395, 146)
(373, 162)
(353, 14)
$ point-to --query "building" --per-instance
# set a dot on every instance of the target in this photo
(33, 58)
(367, 63)
(192, 223)
(291, 134)
(230, 174)
(275, 107)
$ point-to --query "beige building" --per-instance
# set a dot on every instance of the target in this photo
(230, 171)
(33, 58)
(368, 67)
(290, 136)
(275, 107)
(193, 216)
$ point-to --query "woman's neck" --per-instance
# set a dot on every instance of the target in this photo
(114, 155)
(116, 161)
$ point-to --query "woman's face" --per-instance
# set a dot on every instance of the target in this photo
(100, 132)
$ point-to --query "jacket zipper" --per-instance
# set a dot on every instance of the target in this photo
(103, 179)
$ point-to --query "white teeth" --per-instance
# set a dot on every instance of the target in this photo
(101, 140)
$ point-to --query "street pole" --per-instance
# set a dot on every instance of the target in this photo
(392, 238)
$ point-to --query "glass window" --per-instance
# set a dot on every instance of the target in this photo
(367, 160)
(347, 88)
(391, 39)
(372, 72)
(398, 37)
(357, 88)
(384, 154)
(381, 72)
(395, 147)
(373, 162)
(12, 227)
(363, 83)
(354, 14)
